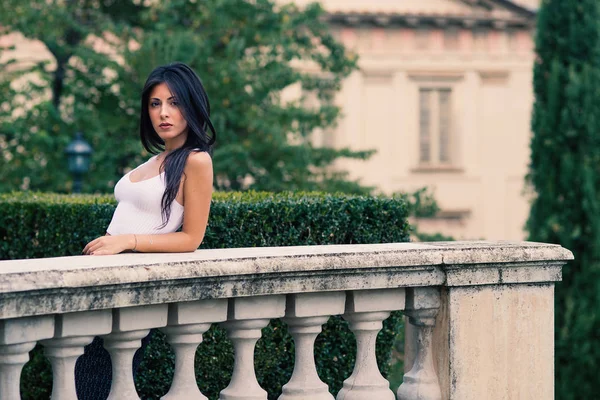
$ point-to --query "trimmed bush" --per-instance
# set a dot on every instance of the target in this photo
(35, 225)
(45, 225)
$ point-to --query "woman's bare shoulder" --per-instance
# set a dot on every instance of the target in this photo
(199, 162)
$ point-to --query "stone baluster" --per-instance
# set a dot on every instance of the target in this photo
(365, 312)
(72, 331)
(421, 382)
(305, 314)
(186, 324)
(18, 337)
(245, 318)
(130, 325)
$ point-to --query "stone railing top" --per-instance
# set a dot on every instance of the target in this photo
(35, 286)
(81, 271)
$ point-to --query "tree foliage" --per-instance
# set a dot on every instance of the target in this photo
(565, 173)
(246, 53)
(75, 89)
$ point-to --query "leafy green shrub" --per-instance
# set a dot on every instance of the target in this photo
(422, 204)
(44, 225)
(34, 225)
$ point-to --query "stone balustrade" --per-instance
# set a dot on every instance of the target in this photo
(480, 313)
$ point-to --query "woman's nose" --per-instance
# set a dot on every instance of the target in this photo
(163, 111)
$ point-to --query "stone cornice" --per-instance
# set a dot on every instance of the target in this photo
(426, 20)
(495, 14)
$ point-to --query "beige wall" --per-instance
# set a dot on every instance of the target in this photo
(490, 108)
(481, 192)
(531, 4)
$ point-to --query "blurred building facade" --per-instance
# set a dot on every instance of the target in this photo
(444, 94)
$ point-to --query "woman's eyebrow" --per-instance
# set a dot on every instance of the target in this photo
(156, 98)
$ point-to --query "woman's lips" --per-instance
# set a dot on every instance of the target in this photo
(165, 126)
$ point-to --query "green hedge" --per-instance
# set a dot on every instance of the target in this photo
(44, 225)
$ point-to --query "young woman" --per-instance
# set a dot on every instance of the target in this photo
(172, 189)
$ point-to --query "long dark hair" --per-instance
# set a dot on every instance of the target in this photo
(186, 86)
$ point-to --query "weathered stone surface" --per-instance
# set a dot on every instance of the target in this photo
(184, 340)
(366, 382)
(490, 274)
(258, 307)
(420, 381)
(315, 304)
(375, 300)
(491, 339)
(69, 284)
(196, 312)
(129, 319)
(83, 323)
(305, 382)
(23, 330)
(422, 298)
(495, 342)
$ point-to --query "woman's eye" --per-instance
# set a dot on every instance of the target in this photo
(175, 103)
(154, 104)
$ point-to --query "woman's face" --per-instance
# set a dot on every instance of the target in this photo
(166, 117)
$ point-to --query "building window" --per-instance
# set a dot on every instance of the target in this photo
(435, 126)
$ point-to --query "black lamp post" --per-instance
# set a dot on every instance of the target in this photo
(78, 154)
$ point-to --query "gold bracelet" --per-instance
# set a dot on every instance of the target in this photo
(135, 245)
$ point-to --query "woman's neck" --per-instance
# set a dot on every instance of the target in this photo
(176, 142)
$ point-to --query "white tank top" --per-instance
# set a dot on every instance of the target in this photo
(139, 211)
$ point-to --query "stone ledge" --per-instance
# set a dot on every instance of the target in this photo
(67, 284)
(98, 297)
(492, 274)
(81, 271)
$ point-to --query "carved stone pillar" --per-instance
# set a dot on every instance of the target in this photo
(12, 359)
(187, 322)
(305, 314)
(18, 337)
(63, 354)
(421, 382)
(72, 332)
(130, 326)
(246, 317)
(365, 311)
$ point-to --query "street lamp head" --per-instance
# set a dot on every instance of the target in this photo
(78, 155)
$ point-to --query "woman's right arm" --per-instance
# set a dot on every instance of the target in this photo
(197, 195)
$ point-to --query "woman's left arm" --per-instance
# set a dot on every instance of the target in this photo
(197, 194)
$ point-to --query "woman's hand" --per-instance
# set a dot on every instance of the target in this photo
(106, 245)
